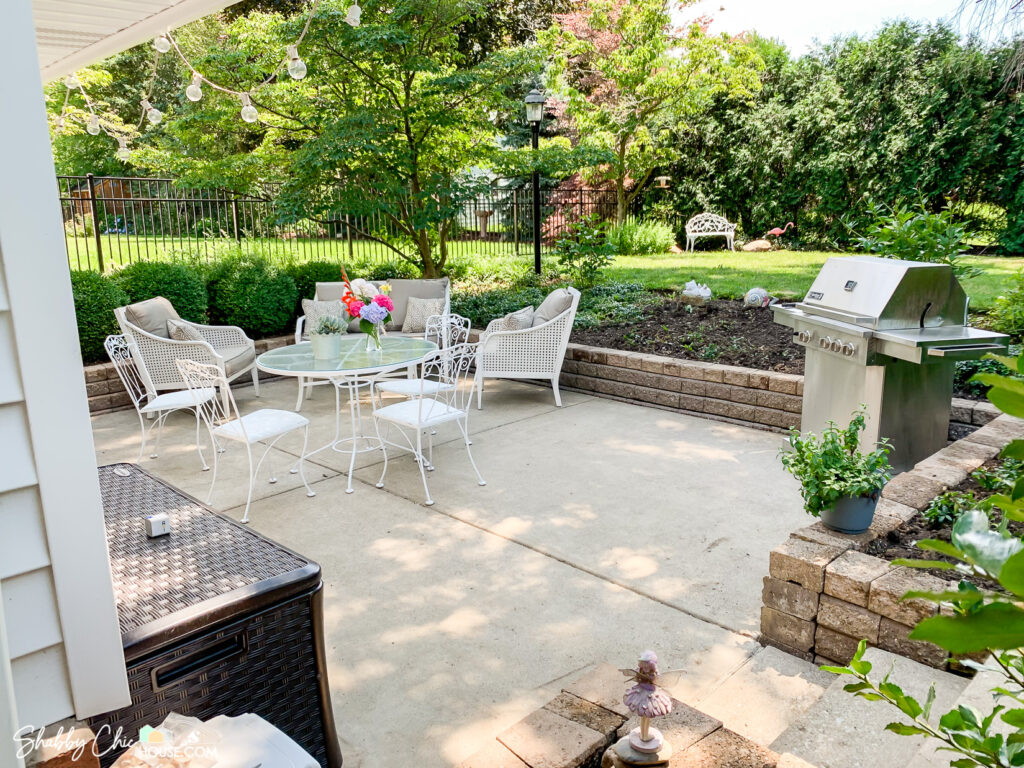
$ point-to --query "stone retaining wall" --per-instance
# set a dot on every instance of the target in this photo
(762, 399)
(823, 594)
(106, 392)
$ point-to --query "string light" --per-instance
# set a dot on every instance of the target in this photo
(355, 13)
(195, 91)
(72, 82)
(296, 66)
(123, 153)
(249, 113)
(153, 114)
(162, 43)
(92, 125)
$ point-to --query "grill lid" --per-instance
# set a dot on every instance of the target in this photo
(886, 294)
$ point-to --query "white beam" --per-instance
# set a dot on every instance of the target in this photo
(42, 310)
(132, 32)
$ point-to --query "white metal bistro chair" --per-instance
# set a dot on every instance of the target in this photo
(225, 423)
(119, 350)
(444, 397)
(445, 331)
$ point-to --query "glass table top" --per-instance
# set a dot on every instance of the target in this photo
(298, 360)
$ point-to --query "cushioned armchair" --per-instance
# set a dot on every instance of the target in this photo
(159, 337)
(528, 345)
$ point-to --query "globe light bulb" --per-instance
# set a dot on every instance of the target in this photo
(354, 14)
(162, 43)
(296, 66)
(72, 82)
(195, 91)
(153, 114)
(92, 125)
(123, 153)
(249, 113)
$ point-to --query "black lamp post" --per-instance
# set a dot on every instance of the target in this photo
(534, 114)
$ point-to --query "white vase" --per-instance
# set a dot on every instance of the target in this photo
(326, 346)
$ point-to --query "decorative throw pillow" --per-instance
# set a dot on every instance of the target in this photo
(517, 321)
(417, 311)
(179, 330)
(314, 310)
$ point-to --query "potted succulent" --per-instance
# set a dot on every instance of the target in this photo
(326, 337)
(838, 482)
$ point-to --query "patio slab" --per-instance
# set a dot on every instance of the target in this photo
(605, 528)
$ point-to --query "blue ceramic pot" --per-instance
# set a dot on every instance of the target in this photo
(850, 514)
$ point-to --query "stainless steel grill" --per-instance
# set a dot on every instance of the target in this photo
(886, 334)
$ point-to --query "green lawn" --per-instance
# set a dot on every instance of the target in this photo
(786, 274)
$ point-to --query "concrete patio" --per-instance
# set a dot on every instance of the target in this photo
(605, 528)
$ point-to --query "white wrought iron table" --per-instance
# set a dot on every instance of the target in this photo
(354, 369)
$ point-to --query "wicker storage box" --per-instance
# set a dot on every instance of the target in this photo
(215, 619)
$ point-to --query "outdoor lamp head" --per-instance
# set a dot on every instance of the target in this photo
(534, 106)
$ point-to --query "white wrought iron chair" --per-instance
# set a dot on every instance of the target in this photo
(531, 353)
(120, 353)
(225, 346)
(444, 397)
(226, 423)
(445, 331)
(710, 225)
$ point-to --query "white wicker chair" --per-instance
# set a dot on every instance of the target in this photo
(710, 225)
(531, 353)
(225, 346)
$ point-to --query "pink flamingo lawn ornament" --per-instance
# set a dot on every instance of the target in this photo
(779, 232)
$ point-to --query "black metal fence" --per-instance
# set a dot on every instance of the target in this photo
(112, 221)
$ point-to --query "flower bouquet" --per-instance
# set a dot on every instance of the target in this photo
(370, 305)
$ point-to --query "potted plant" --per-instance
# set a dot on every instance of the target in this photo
(326, 337)
(838, 482)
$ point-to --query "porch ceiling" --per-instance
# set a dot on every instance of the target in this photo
(75, 33)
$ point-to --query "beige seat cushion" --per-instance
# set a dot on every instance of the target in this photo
(417, 311)
(553, 305)
(179, 330)
(152, 315)
(314, 310)
(402, 290)
(236, 358)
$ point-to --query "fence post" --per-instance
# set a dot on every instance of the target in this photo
(234, 218)
(515, 218)
(348, 236)
(95, 220)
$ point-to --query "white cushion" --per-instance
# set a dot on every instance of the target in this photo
(516, 321)
(412, 387)
(179, 330)
(151, 315)
(237, 358)
(261, 425)
(314, 310)
(417, 311)
(554, 304)
(410, 414)
(183, 398)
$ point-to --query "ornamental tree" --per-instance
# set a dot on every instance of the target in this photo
(629, 77)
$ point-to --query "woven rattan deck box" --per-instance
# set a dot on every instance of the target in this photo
(215, 619)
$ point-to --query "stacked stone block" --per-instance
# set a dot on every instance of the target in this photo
(823, 594)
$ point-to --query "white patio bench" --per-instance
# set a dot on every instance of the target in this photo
(709, 225)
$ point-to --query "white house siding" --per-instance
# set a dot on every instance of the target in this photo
(60, 649)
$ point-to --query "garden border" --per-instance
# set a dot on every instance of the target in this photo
(823, 594)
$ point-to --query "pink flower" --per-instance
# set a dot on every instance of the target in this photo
(384, 301)
(354, 307)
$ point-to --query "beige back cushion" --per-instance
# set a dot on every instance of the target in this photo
(329, 291)
(402, 290)
(553, 305)
(152, 315)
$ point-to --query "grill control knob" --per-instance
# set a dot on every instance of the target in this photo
(849, 350)
(804, 337)
(836, 345)
(825, 343)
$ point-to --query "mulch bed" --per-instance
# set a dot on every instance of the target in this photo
(719, 331)
(900, 542)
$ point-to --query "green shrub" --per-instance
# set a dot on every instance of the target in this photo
(390, 270)
(307, 274)
(250, 293)
(183, 286)
(584, 251)
(96, 298)
(642, 238)
(965, 370)
(946, 508)
(483, 306)
(1008, 313)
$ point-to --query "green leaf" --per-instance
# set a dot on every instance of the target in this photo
(1011, 576)
(994, 626)
(906, 730)
(938, 545)
(1015, 450)
(938, 564)
(929, 701)
(836, 670)
(1014, 717)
